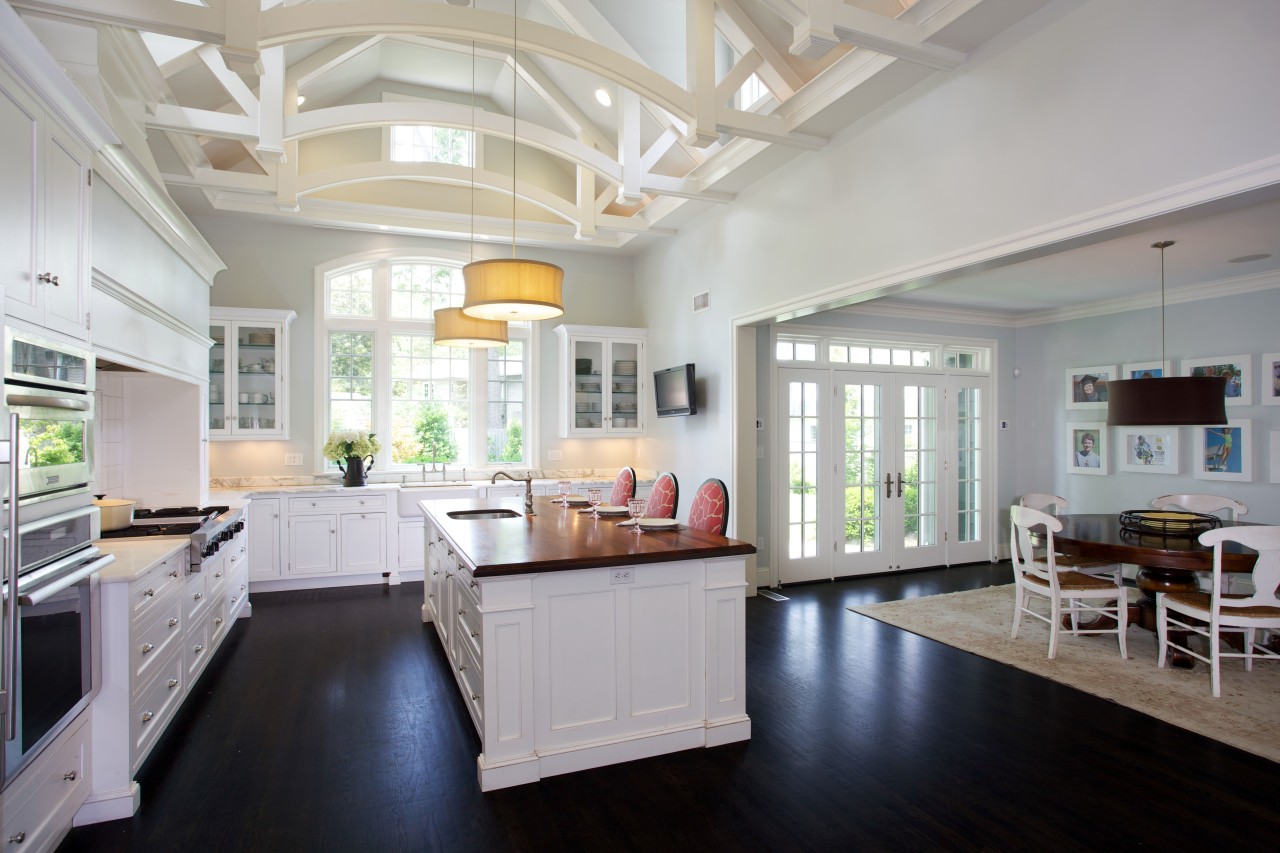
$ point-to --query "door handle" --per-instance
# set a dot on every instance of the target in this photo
(899, 484)
(888, 485)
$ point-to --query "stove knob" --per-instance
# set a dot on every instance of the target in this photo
(225, 536)
(239, 525)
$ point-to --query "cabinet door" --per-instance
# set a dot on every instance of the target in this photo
(19, 214)
(412, 544)
(264, 539)
(364, 542)
(313, 544)
(65, 234)
(624, 386)
(256, 349)
(587, 358)
(221, 384)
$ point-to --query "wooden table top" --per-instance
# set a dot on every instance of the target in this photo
(1101, 536)
(558, 539)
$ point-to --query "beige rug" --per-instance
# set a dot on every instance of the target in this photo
(978, 621)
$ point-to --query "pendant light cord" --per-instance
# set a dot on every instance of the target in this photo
(515, 79)
(1162, 245)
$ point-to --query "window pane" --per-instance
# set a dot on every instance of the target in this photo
(351, 293)
(784, 351)
(806, 352)
(504, 410)
(418, 289)
(426, 144)
(429, 386)
(350, 381)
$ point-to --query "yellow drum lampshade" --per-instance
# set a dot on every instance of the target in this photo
(455, 329)
(512, 289)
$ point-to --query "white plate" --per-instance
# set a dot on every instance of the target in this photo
(575, 500)
(658, 523)
(609, 509)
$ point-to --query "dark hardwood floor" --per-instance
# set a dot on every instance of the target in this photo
(332, 722)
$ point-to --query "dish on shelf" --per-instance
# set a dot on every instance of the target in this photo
(589, 387)
(260, 339)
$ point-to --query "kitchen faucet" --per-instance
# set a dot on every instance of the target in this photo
(528, 489)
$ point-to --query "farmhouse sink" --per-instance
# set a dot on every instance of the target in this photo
(476, 514)
(411, 493)
(438, 484)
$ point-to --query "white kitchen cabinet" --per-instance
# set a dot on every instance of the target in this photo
(363, 542)
(410, 544)
(602, 381)
(44, 221)
(313, 544)
(39, 806)
(248, 385)
(264, 539)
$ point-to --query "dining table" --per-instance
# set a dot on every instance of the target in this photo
(1167, 562)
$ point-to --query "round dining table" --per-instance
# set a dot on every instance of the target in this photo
(1166, 563)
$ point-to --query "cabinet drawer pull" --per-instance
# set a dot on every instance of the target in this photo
(70, 776)
(146, 716)
(173, 682)
(173, 574)
(462, 613)
(199, 647)
(47, 278)
(450, 552)
(173, 623)
(431, 595)
(149, 593)
(198, 596)
(234, 599)
(475, 634)
(462, 667)
(218, 621)
(475, 698)
(217, 574)
(17, 838)
(475, 584)
(147, 648)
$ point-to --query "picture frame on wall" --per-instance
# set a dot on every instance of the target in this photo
(1088, 448)
(1087, 386)
(1237, 368)
(1271, 379)
(1225, 453)
(1147, 370)
(1148, 450)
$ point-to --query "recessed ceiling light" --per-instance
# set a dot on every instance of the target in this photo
(302, 99)
(605, 99)
(1244, 259)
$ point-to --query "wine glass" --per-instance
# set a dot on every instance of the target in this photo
(635, 509)
(594, 497)
(564, 487)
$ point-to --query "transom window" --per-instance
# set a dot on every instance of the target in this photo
(427, 144)
(385, 374)
(836, 350)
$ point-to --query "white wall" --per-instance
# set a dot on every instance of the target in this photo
(273, 266)
(1081, 112)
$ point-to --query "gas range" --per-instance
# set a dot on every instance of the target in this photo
(208, 527)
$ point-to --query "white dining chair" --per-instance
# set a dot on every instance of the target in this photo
(1069, 592)
(1053, 505)
(1210, 505)
(1211, 614)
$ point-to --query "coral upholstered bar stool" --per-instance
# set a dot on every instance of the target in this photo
(1211, 613)
(1054, 504)
(624, 487)
(664, 497)
(710, 508)
(1069, 592)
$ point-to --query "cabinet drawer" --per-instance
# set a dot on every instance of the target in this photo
(218, 622)
(467, 630)
(237, 595)
(154, 640)
(369, 502)
(42, 803)
(199, 647)
(158, 701)
(148, 590)
(195, 596)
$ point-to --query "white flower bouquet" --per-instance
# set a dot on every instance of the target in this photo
(347, 443)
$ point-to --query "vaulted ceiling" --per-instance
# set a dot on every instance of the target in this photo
(282, 109)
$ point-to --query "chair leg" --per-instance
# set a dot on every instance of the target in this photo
(1215, 660)
(1248, 649)
(1055, 616)
(1162, 630)
(1122, 621)
(1018, 601)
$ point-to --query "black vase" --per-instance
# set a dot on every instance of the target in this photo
(355, 474)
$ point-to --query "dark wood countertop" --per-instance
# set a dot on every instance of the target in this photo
(557, 539)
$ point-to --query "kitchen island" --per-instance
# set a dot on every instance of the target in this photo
(577, 643)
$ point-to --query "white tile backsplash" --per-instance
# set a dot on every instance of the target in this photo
(108, 434)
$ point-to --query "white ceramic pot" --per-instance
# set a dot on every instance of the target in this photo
(116, 514)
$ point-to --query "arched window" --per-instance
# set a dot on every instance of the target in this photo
(383, 372)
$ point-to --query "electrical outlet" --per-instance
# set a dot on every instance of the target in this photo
(554, 455)
(293, 459)
(620, 576)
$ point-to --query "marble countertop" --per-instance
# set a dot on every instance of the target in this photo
(135, 556)
(226, 494)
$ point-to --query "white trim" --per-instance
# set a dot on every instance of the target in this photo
(148, 311)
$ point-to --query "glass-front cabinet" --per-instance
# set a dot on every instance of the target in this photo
(602, 381)
(248, 391)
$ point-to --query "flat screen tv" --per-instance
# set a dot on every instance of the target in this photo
(674, 392)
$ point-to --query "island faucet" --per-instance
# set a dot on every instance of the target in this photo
(528, 489)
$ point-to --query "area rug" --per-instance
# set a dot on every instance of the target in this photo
(978, 621)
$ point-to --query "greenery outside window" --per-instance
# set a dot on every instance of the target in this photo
(384, 373)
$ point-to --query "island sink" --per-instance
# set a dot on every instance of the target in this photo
(475, 514)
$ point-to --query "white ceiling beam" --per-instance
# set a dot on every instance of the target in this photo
(327, 58)
(766, 128)
(658, 149)
(272, 88)
(791, 11)
(700, 47)
(240, 45)
(562, 105)
(816, 32)
(168, 117)
(629, 146)
(741, 31)
(682, 188)
(892, 36)
(741, 71)
(228, 79)
(183, 20)
(585, 190)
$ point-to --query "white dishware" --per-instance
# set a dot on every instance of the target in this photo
(243, 397)
(657, 523)
(259, 398)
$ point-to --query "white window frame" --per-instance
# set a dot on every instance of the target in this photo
(477, 138)
(383, 328)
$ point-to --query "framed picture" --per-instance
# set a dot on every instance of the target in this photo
(1237, 369)
(1271, 379)
(1225, 453)
(1087, 386)
(1148, 450)
(1088, 451)
(1147, 370)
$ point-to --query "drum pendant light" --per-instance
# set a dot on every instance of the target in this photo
(1167, 400)
(453, 327)
(513, 289)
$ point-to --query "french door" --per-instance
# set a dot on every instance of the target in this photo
(881, 471)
